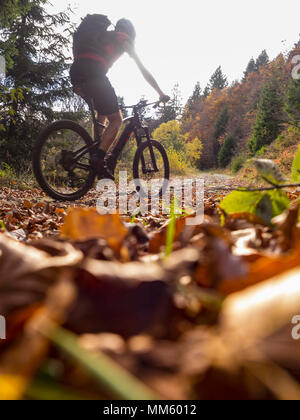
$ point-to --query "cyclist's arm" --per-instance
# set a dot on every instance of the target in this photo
(147, 75)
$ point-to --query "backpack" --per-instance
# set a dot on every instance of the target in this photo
(89, 34)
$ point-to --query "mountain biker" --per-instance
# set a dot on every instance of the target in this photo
(92, 60)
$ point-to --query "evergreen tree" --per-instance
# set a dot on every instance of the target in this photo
(218, 80)
(196, 95)
(173, 109)
(262, 60)
(227, 151)
(221, 123)
(293, 102)
(189, 108)
(11, 9)
(206, 92)
(251, 68)
(269, 118)
(34, 46)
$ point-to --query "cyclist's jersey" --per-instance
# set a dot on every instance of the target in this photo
(111, 48)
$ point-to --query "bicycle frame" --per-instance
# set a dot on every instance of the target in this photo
(132, 126)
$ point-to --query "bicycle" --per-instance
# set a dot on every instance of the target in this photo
(63, 156)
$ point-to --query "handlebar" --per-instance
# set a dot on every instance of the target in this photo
(143, 104)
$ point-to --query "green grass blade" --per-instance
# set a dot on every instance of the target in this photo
(109, 375)
(171, 231)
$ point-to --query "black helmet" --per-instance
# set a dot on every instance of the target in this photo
(124, 25)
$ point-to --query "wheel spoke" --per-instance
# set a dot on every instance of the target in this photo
(65, 163)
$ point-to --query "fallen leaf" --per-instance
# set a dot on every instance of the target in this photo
(83, 224)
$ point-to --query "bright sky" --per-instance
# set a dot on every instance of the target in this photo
(185, 41)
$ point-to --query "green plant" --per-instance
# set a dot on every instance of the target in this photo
(262, 203)
(237, 164)
(296, 167)
(107, 373)
(262, 152)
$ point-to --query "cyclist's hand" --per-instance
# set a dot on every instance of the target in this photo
(164, 98)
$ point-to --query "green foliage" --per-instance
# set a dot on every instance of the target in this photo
(251, 67)
(173, 109)
(13, 9)
(296, 167)
(265, 205)
(171, 230)
(237, 164)
(221, 123)
(218, 80)
(261, 152)
(182, 152)
(269, 118)
(170, 136)
(8, 176)
(177, 161)
(293, 102)
(193, 152)
(34, 45)
(194, 98)
(280, 201)
(227, 151)
(262, 60)
(191, 105)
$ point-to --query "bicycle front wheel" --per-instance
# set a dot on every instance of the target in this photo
(151, 165)
(62, 161)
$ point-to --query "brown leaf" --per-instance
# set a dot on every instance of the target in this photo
(262, 269)
(87, 224)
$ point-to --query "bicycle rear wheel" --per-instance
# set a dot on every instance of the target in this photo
(144, 168)
(60, 173)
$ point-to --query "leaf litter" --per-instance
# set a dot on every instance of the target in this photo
(94, 303)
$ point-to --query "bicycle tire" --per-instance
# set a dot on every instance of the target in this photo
(36, 161)
(156, 145)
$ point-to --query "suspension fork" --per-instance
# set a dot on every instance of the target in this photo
(139, 142)
(146, 129)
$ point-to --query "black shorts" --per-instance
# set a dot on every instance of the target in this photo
(95, 85)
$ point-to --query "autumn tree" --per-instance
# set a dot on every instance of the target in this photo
(170, 135)
(269, 118)
(218, 80)
(220, 128)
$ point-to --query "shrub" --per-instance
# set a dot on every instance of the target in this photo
(237, 164)
(178, 165)
(193, 151)
(262, 151)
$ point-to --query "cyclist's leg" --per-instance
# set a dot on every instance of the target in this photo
(102, 120)
(106, 104)
(115, 122)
